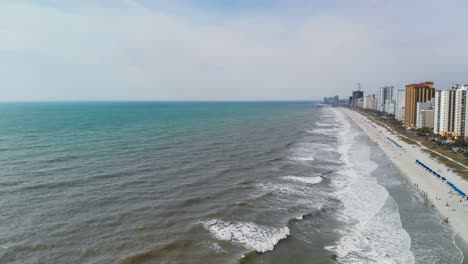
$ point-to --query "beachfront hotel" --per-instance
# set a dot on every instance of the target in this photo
(420, 92)
(450, 107)
(356, 96)
(460, 127)
(387, 99)
(400, 105)
(370, 102)
(444, 112)
(425, 114)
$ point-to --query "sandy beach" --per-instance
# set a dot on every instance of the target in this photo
(438, 194)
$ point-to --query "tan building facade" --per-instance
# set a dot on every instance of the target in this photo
(427, 118)
(420, 92)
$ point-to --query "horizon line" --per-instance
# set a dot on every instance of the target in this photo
(159, 101)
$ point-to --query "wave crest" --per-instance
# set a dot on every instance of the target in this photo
(310, 180)
(251, 236)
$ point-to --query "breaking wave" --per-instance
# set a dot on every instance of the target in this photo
(251, 236)
(310, 180)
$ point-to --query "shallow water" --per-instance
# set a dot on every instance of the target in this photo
(204, 183)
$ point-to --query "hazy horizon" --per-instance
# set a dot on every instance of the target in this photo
(224, 50)
(169, 101)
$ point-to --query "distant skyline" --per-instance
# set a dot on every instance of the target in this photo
(206, 50)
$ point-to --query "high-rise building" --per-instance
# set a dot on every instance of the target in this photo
(460, 127)
(425, 114)
(450, 117)
(387, 99)
(420, 92)
(400, 105)
(427, 118)
(331, 100)
(444, 112)
(356, 95)
(370, 102)
(360, 102)
(390, 106)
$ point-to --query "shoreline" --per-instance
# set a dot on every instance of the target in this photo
(436, 193)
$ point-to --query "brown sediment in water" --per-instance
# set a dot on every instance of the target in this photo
(169, 253)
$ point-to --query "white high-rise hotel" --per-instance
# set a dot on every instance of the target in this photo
(400, 105)
(387, 100)
(450, 112)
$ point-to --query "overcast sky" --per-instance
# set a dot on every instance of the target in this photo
(226, 49)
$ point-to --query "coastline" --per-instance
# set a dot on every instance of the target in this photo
(436, 193)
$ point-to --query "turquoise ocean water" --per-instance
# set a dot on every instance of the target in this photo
(149, 182)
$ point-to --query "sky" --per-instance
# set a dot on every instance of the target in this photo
(67, 50)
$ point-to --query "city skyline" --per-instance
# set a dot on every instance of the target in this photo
(419, 105)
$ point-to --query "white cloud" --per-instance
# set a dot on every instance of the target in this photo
(131, 52)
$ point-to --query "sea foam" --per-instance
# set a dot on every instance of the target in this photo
(325, 124)
(251, 236)
(310, 180)
(310, 158)
(373, 232)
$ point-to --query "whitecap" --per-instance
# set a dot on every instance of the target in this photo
(373, 232)
(326, 132)
(325, 124)
(251, 236)
(304, 159)
(310, 180)
(285, 189)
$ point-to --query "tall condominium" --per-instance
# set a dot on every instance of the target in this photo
(419, 92)
(444, 112)
(460, 127)
(370, 102)
(400, 105)
(450, 112)
(386, 99)
(425, 114)
(356, 95)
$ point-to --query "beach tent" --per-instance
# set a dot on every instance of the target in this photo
(440, 177)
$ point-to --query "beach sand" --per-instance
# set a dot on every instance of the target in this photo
(437, 193)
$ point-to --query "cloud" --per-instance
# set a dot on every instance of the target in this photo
(129, 50)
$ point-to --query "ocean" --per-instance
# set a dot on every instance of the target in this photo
(227, 182)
